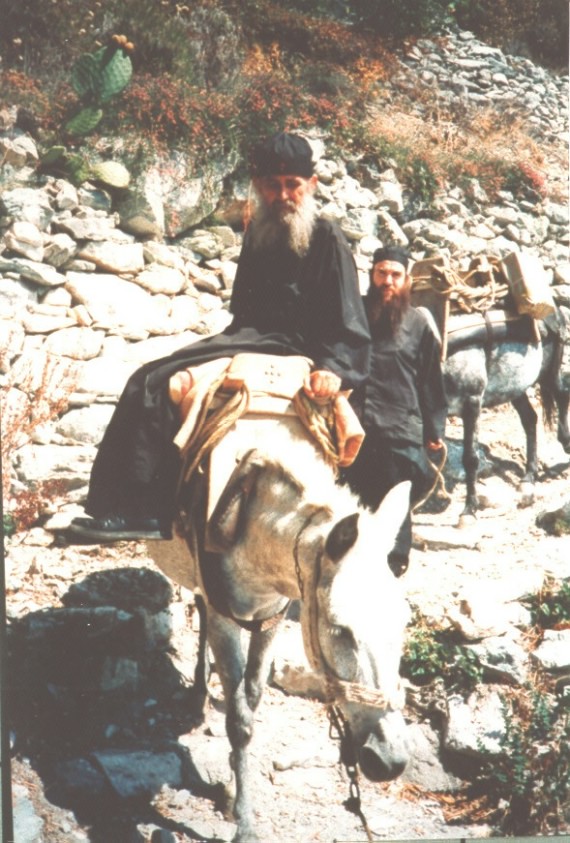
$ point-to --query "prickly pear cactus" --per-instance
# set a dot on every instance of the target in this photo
(53, 155)
(103, 74)
(111, 173)
(85, 121)
(77, 169)
(86, 76)
(96, 77)
(59, 162)
(116, 71)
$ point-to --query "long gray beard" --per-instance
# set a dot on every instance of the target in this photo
(294, 229)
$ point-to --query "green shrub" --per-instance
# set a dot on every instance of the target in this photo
(550, 607)
(530, 781)
(336, 9)
(199, 43)
(422, 181)
(399, 18)
(430, 653)
(536, 27)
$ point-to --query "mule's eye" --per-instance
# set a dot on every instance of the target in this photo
(342, 653)
(343, 635)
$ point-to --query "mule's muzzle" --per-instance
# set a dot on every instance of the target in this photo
(381, 760)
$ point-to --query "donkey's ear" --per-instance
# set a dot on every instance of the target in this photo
(392, 511)
(227, 521)
(342, 537)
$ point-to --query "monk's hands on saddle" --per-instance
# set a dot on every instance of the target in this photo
(321, 385)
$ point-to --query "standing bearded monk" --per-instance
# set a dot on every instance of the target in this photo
(295, 293)
(402, 406)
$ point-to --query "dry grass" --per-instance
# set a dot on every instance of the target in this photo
(42, 394)
(455, 143)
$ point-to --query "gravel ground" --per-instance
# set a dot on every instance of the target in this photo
(301, 787)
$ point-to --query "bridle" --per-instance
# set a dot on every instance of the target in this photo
(337, 689)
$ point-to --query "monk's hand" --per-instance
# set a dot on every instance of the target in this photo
(434, 445)
(322, 385)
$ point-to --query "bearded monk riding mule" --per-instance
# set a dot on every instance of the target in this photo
(262, 521)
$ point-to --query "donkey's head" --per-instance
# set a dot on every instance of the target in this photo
(356, 627)
(287, 529)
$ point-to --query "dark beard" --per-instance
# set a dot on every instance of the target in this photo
(294, 229)
(389, 315)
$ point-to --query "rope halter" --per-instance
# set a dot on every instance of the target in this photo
(337, 689)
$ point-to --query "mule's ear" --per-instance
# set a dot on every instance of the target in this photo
(227, 521)
(392, 511)
(342, 537)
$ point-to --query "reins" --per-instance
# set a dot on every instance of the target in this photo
(438, 482)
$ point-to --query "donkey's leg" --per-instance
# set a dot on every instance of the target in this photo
(259, 664)
(470, 416)
(224, 638)
(243, 685)
(255, 679)
(529, 421)
(202, 669)
(562, 403)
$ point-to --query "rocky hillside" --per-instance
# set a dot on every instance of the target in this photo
(94, 281)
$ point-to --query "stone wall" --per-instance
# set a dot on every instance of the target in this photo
(90, 290)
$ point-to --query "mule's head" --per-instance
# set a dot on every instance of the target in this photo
(356, 628)
(284, 528)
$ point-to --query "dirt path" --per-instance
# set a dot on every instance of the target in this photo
(301, 787)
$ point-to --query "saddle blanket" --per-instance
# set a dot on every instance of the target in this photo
(246, 395)
(489, 328)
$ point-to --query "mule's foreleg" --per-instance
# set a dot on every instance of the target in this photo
(255, 679)
(529, 420)
(202, 669)
(259, 664)
(470, 417)
(562, 404)
(243, 684)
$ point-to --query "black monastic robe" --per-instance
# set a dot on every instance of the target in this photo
(401, 406)
(281, 304)
(404, 400)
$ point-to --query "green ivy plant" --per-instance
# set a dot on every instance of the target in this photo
(430, 653)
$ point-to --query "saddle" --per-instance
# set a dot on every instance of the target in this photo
(495, 300)
(227, 405)
(489, 328)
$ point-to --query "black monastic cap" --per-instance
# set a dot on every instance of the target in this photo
(391, 253)
(283, 154)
